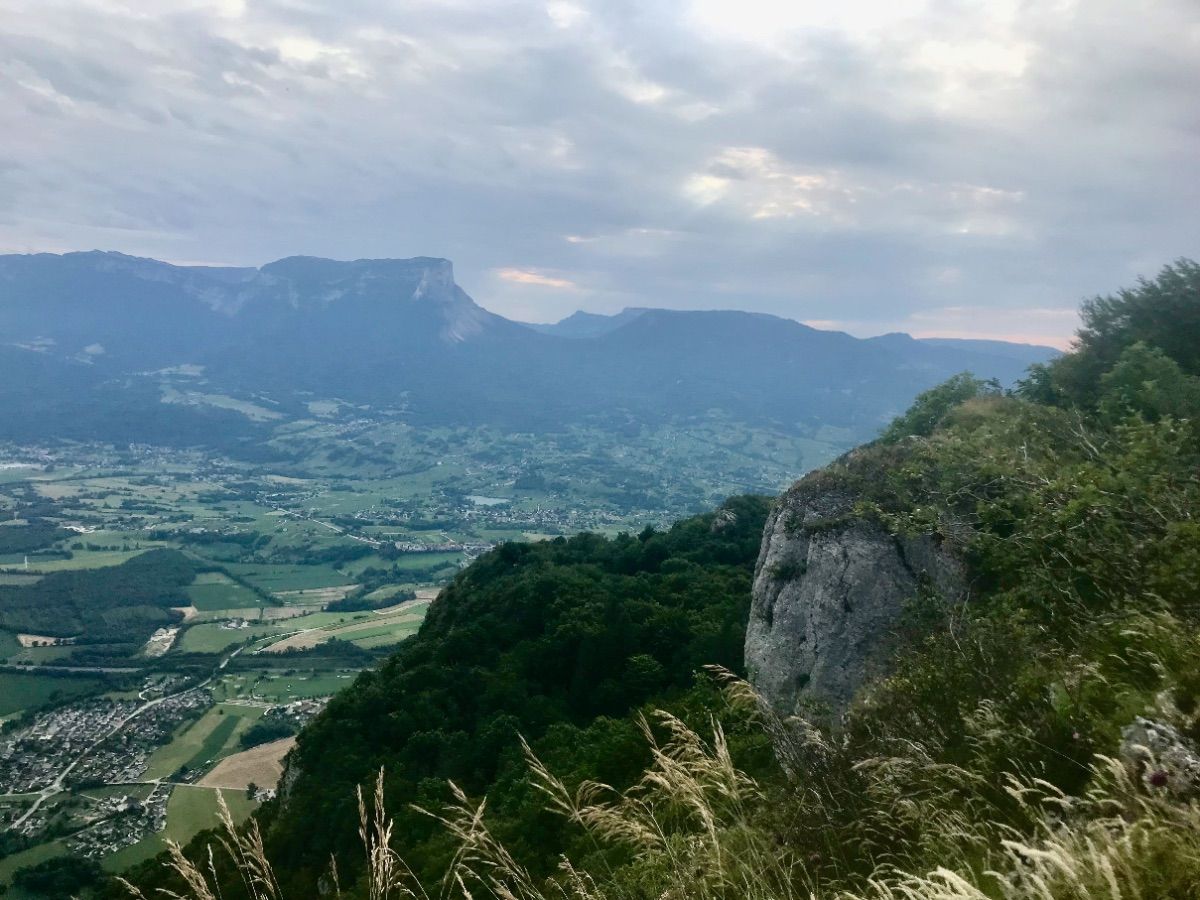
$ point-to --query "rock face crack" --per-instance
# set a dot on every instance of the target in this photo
(818, 632)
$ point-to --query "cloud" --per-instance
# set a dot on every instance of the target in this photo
(523, 276)
(866, 162)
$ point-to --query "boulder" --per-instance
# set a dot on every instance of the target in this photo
(830, 588)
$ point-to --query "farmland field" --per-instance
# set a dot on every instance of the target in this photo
(30, 857)
(38, 655)
(261, 765)
(289, 577)
(18, 578)
(285, 688)
(78, 560)
(215, 591)
(190, 810)
(212, 638)
(381, 630)
(212, 736)
(214, 742)
(9, 645)
(387, 638)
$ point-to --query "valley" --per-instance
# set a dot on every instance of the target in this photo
(258, 590)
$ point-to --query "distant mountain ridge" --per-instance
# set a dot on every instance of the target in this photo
(583, 324)
(90, 344)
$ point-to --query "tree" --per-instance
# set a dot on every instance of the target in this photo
(1147, 382)
(1163, 313)
(931, 408)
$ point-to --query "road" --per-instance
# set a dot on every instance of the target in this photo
(56, 786)
(335, 528)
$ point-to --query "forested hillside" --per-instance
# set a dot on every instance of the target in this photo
(125, 602)
(557, 641)
(1035, 741)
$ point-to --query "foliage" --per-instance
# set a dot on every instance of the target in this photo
(62, 876)
(1163, 313)
(37, 534)
(113, 603)
(359, 602)
(694, 825)
(932, 406)
(558, 641)
(265, 731)
(1147, 382)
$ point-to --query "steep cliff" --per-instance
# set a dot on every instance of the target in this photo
(830, 588)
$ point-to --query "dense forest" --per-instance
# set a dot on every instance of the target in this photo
(1038, 741)
(122, 603)
(37, 534)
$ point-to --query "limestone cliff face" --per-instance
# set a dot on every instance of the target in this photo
(829, 590)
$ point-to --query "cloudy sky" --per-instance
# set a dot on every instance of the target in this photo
(935, 166)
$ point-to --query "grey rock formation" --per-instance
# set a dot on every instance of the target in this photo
(1160, 756)
(829, 590)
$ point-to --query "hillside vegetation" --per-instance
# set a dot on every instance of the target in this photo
(1036, 741)
(125, 602)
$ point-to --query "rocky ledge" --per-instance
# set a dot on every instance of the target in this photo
(830, 588)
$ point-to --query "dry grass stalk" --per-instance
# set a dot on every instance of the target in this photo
(691, 824)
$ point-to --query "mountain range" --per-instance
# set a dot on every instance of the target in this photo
(91, 344)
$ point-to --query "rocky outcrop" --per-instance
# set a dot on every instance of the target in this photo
(1159, 756)
(829, 591)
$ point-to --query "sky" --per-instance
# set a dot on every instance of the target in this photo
(942, 167)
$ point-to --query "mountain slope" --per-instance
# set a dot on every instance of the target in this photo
(557, 641)
(108, 335)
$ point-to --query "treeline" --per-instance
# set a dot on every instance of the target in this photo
(112, 603)
(358, 602)
(267, 729)
(37, 534)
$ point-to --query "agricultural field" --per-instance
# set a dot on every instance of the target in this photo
(190, 810)
(214, 591)
(282, 578)
(30, 857)
(374, 629)
(211, 637)
(259, 765)
(276, 688)
(203, 742)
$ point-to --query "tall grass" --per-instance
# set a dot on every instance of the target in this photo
(695, 826)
